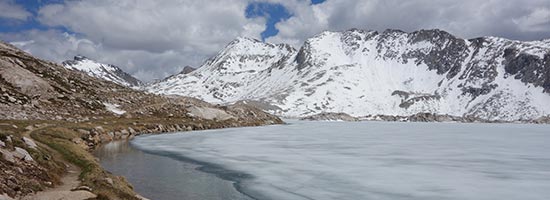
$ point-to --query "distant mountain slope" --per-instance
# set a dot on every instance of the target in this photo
(31, 88)
(104, 71)
(368, 73)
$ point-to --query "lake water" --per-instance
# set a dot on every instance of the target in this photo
(162, 177)
(347, 160)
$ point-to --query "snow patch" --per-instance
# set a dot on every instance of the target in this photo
(114, 108)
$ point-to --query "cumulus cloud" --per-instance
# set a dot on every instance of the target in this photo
(149, 39)
(59, 46)
(153, 39)
(514, 19)
(155, 26)
(10, 10)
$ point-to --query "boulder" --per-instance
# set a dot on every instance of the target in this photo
(109, 181)
(99, 129)
(125, 132)
(30, 143)
(22, 154)
(7, 155)
(131, 130)
(83, 131)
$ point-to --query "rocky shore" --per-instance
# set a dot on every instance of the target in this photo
(328, 116)
(36, 157)
(431, 117)
(419, 117)
(51, 118)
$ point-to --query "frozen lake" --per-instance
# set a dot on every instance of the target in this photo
(370, 160)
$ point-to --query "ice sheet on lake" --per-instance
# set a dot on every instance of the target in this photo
(376, 160)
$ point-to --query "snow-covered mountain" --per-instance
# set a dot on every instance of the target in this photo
(368, 73)
(104, 71)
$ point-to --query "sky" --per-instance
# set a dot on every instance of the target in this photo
(154, 39)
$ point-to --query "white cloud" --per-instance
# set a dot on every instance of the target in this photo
(149, 39)
(156, 26)
(153, 39)
(537, 20)
(515, 19)
(10, 10)
(59, 46)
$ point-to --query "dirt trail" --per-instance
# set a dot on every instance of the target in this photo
(69, 181)
(62, 192)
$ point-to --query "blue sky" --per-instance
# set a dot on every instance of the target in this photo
(273, 13)
(31, 6)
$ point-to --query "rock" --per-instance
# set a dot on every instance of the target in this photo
(209, 113)
(160, 128)
(110, 181)
(5, 197)
(22, 154)
(106, 137)
(29, 128)
(8, 156)
(83, 187)
(30, 143)
(328, 116)
(77, 141)
(8, 139)
(2, 144)
(124, 132)
(131, 130)
(11, 99)
(83, 132)
(99, 129)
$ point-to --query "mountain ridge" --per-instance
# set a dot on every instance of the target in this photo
(393, 72)
(100, 70)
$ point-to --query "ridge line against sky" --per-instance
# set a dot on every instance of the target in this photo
(154, 39)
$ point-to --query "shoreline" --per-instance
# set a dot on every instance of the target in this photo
(68, 140)
(74, 143)
(218, 171)
(235, 178)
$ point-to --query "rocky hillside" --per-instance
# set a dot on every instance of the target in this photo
(51, 118)
(368, 73)
(36, 89)
(104, 71)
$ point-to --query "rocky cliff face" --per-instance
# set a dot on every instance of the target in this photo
(103, 71)
(378, 73)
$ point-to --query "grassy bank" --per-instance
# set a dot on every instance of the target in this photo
(61, 142)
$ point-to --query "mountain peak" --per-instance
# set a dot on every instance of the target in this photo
(244, 40)
(363, 73)
(80, 58)
(103, 71)
(187, 69)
